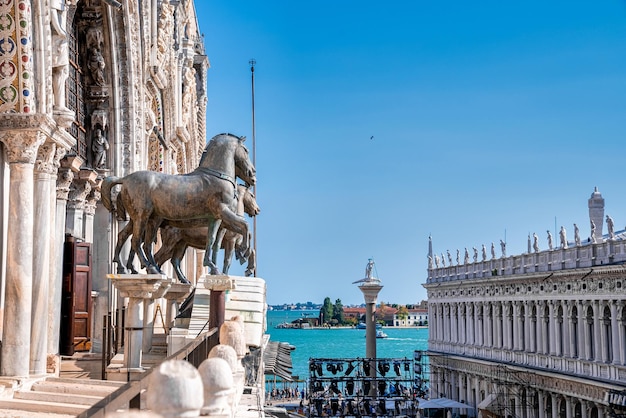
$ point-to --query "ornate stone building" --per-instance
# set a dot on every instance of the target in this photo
(88, 89)
(536, 335)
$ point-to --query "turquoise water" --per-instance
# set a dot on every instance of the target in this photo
(341, 342)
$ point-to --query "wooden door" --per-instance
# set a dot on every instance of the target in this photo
(76, 298)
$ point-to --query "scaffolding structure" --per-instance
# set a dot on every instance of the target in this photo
(365, 386)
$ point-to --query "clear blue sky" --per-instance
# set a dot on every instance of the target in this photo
(489, 118)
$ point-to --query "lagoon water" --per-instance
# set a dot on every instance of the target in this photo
(340, 342)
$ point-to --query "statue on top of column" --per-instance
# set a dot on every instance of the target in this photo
(576, 235)
(611, 227)
(563, 236)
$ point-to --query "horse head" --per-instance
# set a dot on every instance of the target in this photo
(244, 168)
(249, 203)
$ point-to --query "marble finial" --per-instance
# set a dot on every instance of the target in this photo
(217, 380)
(175, 390)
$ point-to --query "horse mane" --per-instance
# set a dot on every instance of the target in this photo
(216, 137)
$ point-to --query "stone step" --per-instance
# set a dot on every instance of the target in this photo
(84, 388)
(93, 382)
(68, 398)
(41, 406)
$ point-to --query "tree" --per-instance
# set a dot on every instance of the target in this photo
(327, 310)
(403, 313)
(338, 311)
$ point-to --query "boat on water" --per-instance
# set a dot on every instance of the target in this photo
(380, 334)
(361, 325)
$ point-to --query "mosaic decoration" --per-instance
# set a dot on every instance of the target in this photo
(16, 57)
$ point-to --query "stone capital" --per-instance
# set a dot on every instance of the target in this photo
(139, 286)
(22, 145)
(64, 181)
(218, 282)
(79, 190)
(45, 162)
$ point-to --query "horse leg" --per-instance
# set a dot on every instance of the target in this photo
(152, 227)
(129, 263)
(229, 246)
(217, 244)
(239, 225)
(178, 253)
(139, 230)
(251, 268)
(122, 236)
(212, 232)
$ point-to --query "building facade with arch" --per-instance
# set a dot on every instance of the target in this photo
(88, 89)
(536, 335)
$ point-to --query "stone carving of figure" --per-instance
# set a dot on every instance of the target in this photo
(549, 240)
(466, 259)
(436, 261)
(503, 248)
(368, 268)
(611, 227)
(458, 257)
(576, 235)
(96, 66)
(563, 236)
(484, 252)
(60, 57)
(493, 251)
(449, 258)
(99, 147)
(529, 246)
(593, 232)
(475, 254)
(430, 262)
(535, 242)
(443, 260)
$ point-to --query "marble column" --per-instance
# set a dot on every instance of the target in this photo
(22, 152)
(148, 314)
(583, 408)
(79, 190)
(568, 407)
(583, 342)
(174, 296)
(68, 166)
(542, 406)
(516, 325)
(555, 406)
(617, 356)
(598, 352)
(621, 333)
(218, 285)
(42, 231)
(135, 287)
(551, 329)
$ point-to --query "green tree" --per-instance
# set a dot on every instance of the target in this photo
(403, 313)
(327, 310)
(338, 311)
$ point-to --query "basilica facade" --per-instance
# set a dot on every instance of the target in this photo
(88, 89)
(536, 335)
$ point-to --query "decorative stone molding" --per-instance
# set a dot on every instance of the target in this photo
(22, 146)
(79, 190)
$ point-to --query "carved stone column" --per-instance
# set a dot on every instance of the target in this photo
(551, 349)
(22, 151)
(43, 222)
(68, 167)
(542, 404)
(148, 314)
(621, 329)
(80, 189)
(617, 356)
(516, 325)
(598, 352)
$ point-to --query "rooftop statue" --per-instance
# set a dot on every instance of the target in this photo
(549, 240)
(535, 242)
(443, 260)
(449, 258)
(503, 248)
(611, 227)
(484, 252)
(576, 235)
(563, 237)
(493, 251)
(458, 257)
(207, 194)
(475, 254)
(466, 258)
(593, 231)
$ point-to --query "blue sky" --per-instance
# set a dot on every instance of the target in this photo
(490, 119)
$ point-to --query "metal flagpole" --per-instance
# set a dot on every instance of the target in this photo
(252, 63)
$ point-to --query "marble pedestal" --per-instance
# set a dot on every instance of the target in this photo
(218, 285)
(135, 287)
(148, 314)
(174, 297)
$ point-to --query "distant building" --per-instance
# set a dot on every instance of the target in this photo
(536, 335)
(415, 318)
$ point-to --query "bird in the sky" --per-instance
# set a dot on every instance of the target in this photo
(372, 137)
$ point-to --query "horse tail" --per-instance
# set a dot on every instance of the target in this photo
(120, 212)
(105, 190)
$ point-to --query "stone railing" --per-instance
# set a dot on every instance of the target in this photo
(547, 362)
(587, 255)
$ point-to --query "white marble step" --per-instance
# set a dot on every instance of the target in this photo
(42, 406)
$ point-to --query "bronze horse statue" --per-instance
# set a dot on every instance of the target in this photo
(207, 196)
(175, 240)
